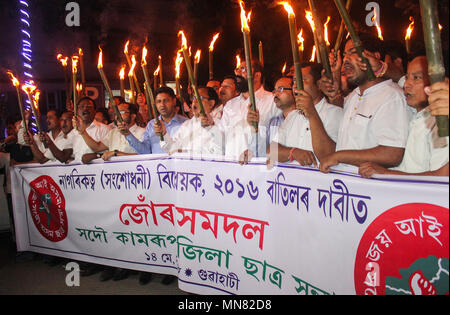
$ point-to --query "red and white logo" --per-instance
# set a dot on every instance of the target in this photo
(405, 250)
(48, 208)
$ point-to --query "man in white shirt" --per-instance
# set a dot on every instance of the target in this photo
(53, 145)
(375, 123)
(115, 143)
(425, 153)
(85, 123)
(309, 136)
(197, 135)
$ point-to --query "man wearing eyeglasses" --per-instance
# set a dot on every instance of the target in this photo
(198, 135)
(308, 136)
(115, 143)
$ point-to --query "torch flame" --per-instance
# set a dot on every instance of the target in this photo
(80, 52)
(29, 87)
(313, 55)
(301, 40)
(178, 62)
(74, 63)
(244, 18)
(144, 56)
(122, 73)
(309, 17)
(238, 62)
(183, 39)
(375, 20)
(36, 96)
(125, 49)
(79, 87)
(156, 71)
(284, 68)
(287, 7)
(211, 46)
(197, 56)
(14, 80)
(325, 27)
(410, 28)
(133, 65)
(62, 60)
(100, 59)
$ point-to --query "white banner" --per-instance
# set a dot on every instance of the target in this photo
(223, 228)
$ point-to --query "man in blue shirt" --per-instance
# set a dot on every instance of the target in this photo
(165, 100)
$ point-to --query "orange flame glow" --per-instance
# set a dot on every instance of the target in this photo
(301, 40)
(245, 19)
(29, 88)
(100, 59)
(309, 17)
(144, 56)
(125, 49)
(197, 56)
(122, 73)
(156, 71)
(238, 61)
(178, 62)
(183, 39)
(211, 46)
(14, 80)
(80, 52)
(287, 7)
(325, 31)
(410, 28)
(79, 87)
(74, 63)
(62, 60)
(133, 65)
(375, 20)
(313, 55)
(284, 68)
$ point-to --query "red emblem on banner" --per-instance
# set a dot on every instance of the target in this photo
(405, 250)
(48, 208)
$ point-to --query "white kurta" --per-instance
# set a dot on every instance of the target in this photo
(61, 141)
(115, 140)
(96, 131)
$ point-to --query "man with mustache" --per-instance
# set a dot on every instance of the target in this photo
(425, 152)
(165, 101)
(85, 122)
(308, 136)
(374, 127)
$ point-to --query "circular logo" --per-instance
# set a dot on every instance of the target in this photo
(405, 250)
(47, 207)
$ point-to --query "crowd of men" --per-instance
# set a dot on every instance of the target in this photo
(381, 126)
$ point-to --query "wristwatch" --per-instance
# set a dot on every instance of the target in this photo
(115, 152)
(99, 155)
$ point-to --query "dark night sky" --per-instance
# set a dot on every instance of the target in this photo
(111, 22)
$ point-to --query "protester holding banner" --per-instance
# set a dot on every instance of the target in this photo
(375, 122)
(312, 135)
(425, 152)
(85, 123)
(114, 143)
(53, 145)
(165, 100)
(198, 135)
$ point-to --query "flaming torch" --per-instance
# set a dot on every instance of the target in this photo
(325, 31)
(106, 84)
(178, 62)
(150, 98)
(185, 51)
(196, 62)
(16, 83)
(155, 78)
(294, 45)
(130, 78)
(355, 38)
(248, 58)
(238, 61)
(309, 17)
(301, 44)
(375, 21)
(29, 89)
(211, 49)
(160, 65)
(66, 73)
(122, 78)
(74, 84)
(409, 31)
(322, 48)
(83, 76)
(127, 56)
(433, 45)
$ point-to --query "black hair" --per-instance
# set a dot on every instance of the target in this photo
(212, 94)
(316, 69)
(84, 98)
(371, 43)
(166, 90)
